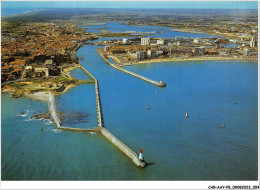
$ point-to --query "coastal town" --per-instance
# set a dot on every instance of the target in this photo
(147, 50)
(37, 56)
(167, 89)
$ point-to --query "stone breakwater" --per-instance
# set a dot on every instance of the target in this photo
(160, 83)
(123, 148)
(52, 108)
(115, 141)
(98, 102)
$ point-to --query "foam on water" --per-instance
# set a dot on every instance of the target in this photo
(56, 130)
(25, 113)
(48, 122)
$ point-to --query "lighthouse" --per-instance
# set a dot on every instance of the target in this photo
(141, 155)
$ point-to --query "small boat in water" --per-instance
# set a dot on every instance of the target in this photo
(148, 107)
(156, 92)
(186, 115)
(223, 126)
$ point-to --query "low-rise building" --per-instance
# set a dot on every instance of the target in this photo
(160, 42)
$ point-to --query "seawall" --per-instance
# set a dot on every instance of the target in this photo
(80, 130)
(52, 108)
(98, 104)
(99, 129)
(122, 147)
(160, 84)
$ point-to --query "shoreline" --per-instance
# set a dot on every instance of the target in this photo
(185, 30)
(42, 95)
(19, 14)
(161, 60)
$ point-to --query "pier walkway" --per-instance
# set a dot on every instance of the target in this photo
(160, 84)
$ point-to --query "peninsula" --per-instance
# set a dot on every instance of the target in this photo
(37, 57)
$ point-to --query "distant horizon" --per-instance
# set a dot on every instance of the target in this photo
(225, 5)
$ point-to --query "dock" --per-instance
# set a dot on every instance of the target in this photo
(100, 128)
(156, 83)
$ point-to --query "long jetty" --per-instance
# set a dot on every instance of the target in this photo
(100, 128)
(121, 146)
(98, 104)
(160, 84)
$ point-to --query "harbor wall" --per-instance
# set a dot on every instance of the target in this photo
(99, 129)
(122, 147)
(52, 109)
(78, 129)
(98, 103)
(160, 84)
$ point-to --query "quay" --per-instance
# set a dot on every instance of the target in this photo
(160, 84)
(100, 128)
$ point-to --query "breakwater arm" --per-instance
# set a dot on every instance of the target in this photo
(98, 104)
(121, 146)
(99, 129)
(160, 84)
(52, 108)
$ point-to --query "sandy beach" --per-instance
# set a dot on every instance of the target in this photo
(191, 59)
(41, 96)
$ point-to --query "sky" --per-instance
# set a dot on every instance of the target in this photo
(133, 4)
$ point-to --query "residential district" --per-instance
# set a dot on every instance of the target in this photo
(37, 56)
(146, 50)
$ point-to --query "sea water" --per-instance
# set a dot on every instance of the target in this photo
(16, 11)
(197, 148)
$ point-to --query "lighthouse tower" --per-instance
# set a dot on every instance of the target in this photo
(141, 157)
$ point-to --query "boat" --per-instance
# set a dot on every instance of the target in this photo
(186, 115)
(223, 126)
(156, 92)
(148, 107)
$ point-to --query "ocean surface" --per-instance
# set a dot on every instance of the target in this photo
(197, 148)
(15, 11)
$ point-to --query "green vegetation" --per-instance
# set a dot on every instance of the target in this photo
(117, 35)
(63, 79)
(39, 80)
